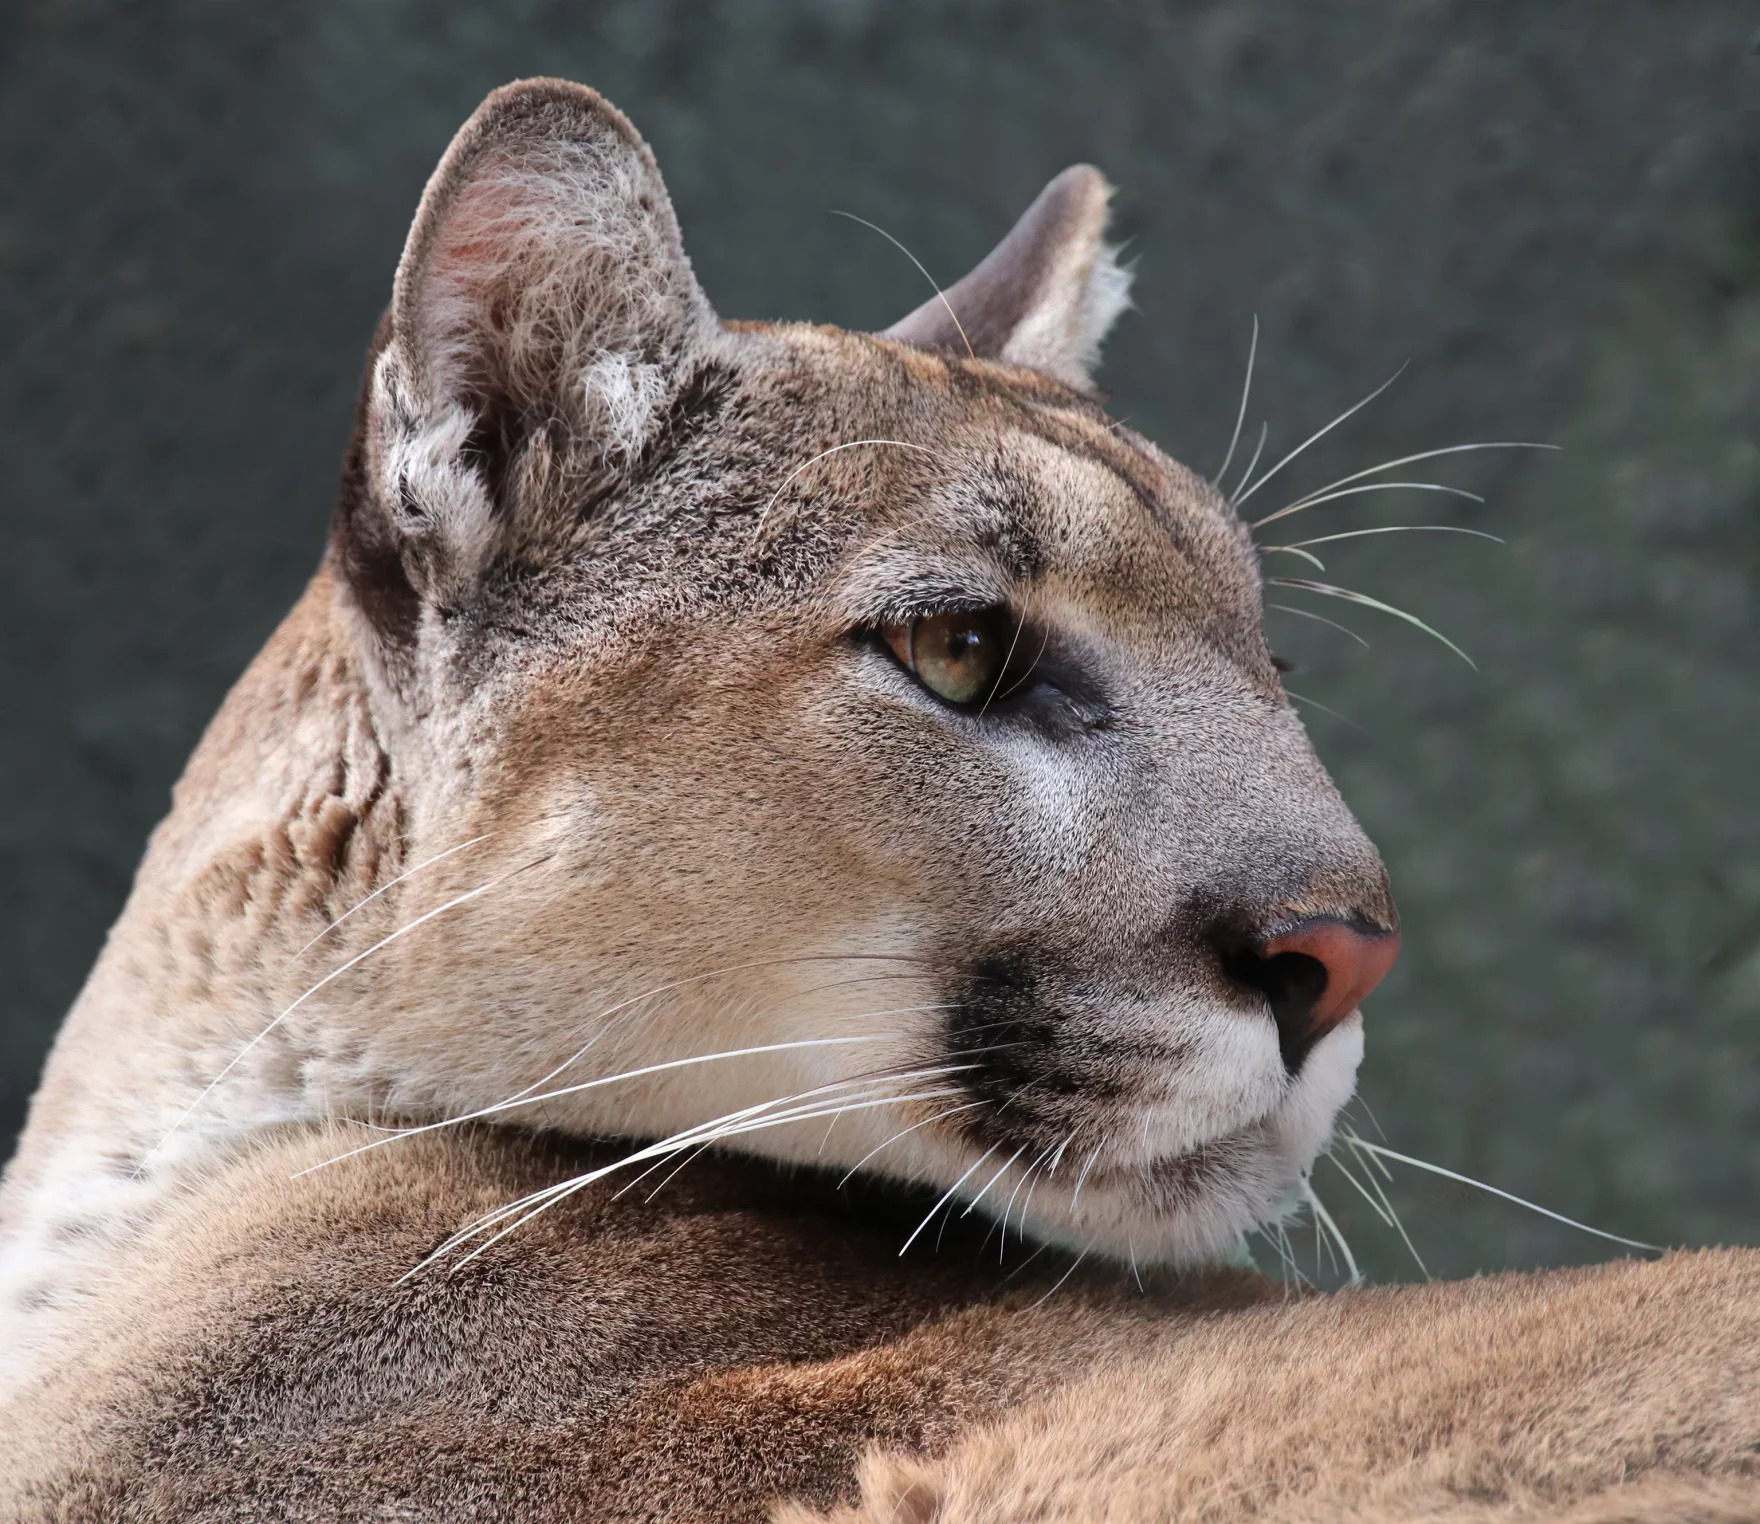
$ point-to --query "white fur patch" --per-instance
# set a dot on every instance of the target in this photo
(422, 472)
(1063, 333)
(620, 396)
(1105, 295)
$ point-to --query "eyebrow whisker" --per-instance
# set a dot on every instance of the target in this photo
(1246, 492)
(1252, 465)
(1240, 417)
(851, 444)
(952, 315)
(1326, 589)
(1404, 460)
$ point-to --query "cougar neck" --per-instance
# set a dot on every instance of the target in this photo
(289, 813)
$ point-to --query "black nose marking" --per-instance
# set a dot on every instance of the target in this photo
(1313, 973)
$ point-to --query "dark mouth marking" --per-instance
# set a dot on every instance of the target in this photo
(1035, 1085)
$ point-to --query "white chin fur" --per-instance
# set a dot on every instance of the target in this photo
(1116, 1214)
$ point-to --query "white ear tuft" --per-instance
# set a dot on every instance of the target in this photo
(1063, 338)
(1044, 297)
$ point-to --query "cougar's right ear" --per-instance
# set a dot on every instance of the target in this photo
(1045, 297)
(543, 295)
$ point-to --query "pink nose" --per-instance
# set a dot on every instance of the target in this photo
(1352, 961)
(1312, 974)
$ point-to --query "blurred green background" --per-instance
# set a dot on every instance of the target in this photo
(1552, 210)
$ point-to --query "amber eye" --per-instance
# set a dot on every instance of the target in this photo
(957, 657)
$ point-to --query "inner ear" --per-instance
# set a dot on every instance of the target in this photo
(1045, 297)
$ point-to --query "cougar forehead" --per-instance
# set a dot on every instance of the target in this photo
(831, 479)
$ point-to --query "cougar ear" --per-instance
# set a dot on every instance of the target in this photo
(1045, 296)
(544, 292)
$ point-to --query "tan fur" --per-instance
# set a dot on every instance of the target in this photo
(1595, 1394)
(578, 793)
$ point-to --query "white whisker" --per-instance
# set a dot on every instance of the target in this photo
(952, 315)
(1057, 1158)
(1380, 1205)
(1314, 499)
(811, 1112)
(1377, 1149)
(623, 1006)
(903, 444)
(1002, 671)
(1293, 550)
(1302, 698)
(947, 1197)
(1241, 416)
(1349, 595)
(1033, 666)
(1075, 1265)
(1357, 534)
(1081, 1179)
(335, 973)
(609, 1079)
(712, 1130)
(1050, 1170)
(1024, 1263)
(1008, 1206)
(1320, 493)
(1287, 1253)
(551, 1195)
(972, 1205)
(1319, 434)
(407, 873)
(903, 1132)
(1323, 1218)
(942, 1070)
(1252, 465)
(1286, 608)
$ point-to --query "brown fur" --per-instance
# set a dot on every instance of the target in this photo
(578, 793)
(742, 1335)
(694, 1356)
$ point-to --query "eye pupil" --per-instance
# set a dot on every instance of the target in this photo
(962, 644)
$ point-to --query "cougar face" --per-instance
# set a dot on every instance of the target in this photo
(870, 710)
(846, 748)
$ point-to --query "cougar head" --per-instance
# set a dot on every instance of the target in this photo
(846, 747)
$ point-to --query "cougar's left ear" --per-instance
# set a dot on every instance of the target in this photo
(543, 303)
(1045, 296)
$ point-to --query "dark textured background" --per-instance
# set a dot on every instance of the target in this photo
(1551, 209)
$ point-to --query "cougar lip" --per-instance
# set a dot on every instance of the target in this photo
(1191, 1172)
(1194, 1203)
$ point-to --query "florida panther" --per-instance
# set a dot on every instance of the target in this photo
(835, 784)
